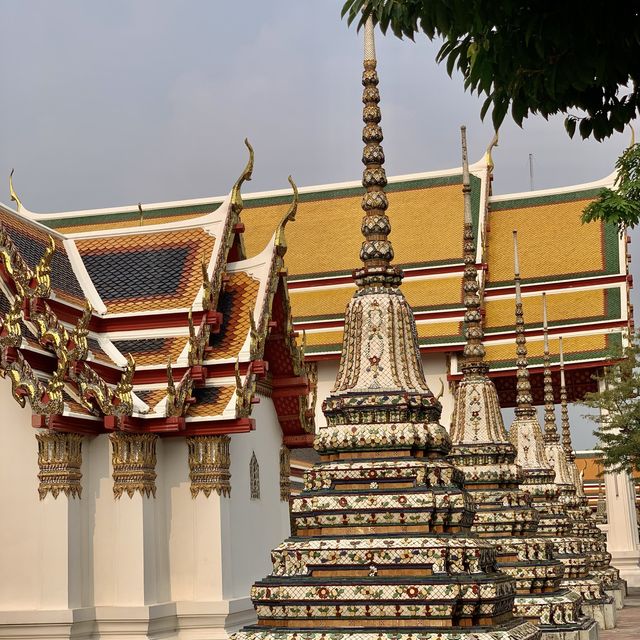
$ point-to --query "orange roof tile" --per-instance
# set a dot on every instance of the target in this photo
(147, 271)
(210, 401)
(236, 302)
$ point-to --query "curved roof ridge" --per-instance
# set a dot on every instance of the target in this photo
(150, 207)
(214, 217)
(15, 213)
(607, 181)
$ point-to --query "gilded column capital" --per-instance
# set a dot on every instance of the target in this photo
(209, 463)
(134, 463)
(59, 461)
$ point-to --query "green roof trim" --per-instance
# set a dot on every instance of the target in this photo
(613, 311)
(249, 203)
(549, 198)
(128, 216)
(614, 345)
(348, 192)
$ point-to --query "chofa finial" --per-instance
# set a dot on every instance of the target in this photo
(236, 198)
(12, 192)
(290, 216)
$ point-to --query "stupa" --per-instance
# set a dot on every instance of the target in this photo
(576, 500)
(381, 545)
(481, 449)
(539, 480)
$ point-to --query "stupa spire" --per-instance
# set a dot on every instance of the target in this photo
(381, 544)
(524, 399)
(550, 428)
(473, 349)
(564, 412)
(376, 252)
(380, 350)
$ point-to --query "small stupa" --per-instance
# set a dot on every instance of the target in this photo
(539, 481)
(481, 449)
(576, 500)
(380, 544)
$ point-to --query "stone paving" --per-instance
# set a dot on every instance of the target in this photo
(628, 627)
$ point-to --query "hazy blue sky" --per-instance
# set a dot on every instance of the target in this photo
(111, 103)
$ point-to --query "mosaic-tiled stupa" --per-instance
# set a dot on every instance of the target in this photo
(539, 481)
(573, 494)
(380, 544)
(481, 449)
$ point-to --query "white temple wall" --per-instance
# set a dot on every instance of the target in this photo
(127, 535)
(327, 374)
(173, 565)
(41, 552)
(254, 527)
(435, 371)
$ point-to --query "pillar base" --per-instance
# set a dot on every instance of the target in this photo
(628, 563)
(587, 629)
(617, 595)
(167, 621)
(604, 613)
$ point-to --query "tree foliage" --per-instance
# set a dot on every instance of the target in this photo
(619, 417)
(621, 205)
(531, 57)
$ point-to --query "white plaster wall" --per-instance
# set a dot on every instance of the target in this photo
(218, 547)
(253, 527)
(194, 531)
(42, 558)
(327, 373)
(136, 551)
(435, 370)
(127, 537)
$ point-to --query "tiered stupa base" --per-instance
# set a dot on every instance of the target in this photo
(506, 518)
(381, 549)
(596, 547)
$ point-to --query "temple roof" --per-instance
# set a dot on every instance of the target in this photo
(583, 268)
(165, 328)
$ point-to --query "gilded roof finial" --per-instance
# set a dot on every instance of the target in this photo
(376, 252)
(564, 411)
(474, 349)
(141, 213)
(550, 428)
(12, 192)
(524, 399)
(290, 216)
(488, 157)
(236, 198)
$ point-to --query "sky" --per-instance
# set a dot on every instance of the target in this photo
(126, 101)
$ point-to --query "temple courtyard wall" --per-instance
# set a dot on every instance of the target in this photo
(169, 567)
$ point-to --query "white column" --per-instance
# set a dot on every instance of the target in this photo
(43, 563)
(622, 531)
(130, 561)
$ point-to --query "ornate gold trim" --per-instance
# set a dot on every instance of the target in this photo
(209, 464)
(178, 399)
(198, 342)
(133, 457)
(285, 473)
(254, 477)
(45, 399)
(59, 461)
